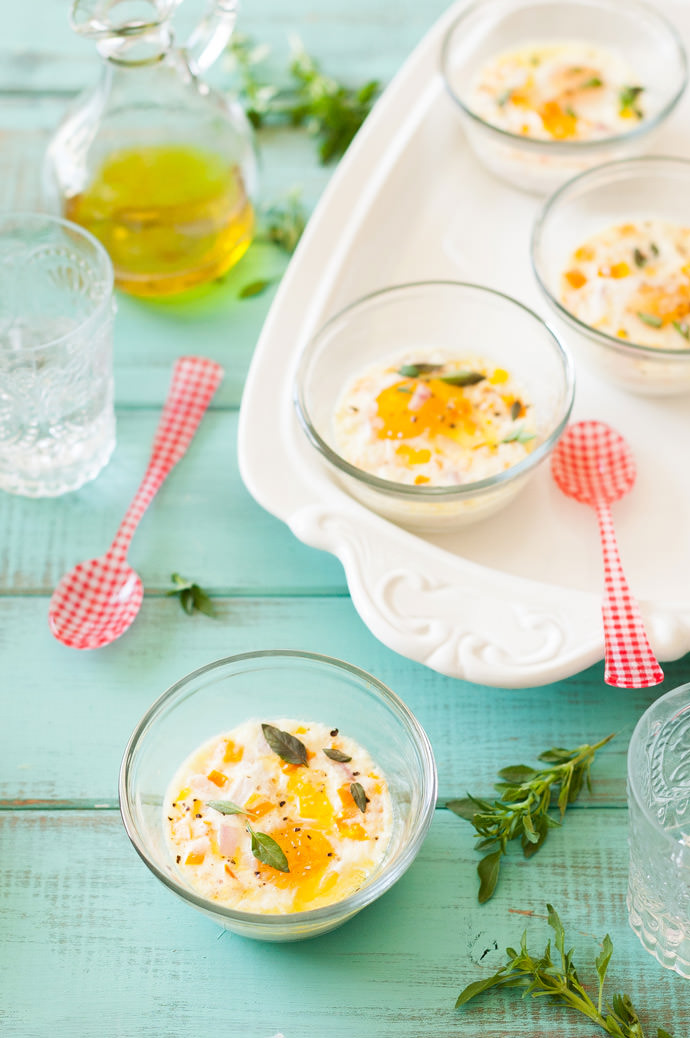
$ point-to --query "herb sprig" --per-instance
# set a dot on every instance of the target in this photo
(192, 596)
(330, 111)
(522, 812)
(560, 982)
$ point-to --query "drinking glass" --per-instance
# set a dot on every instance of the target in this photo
(57, 421)
(659, 802)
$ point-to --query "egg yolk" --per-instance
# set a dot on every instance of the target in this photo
(445, 411)
(308, 853)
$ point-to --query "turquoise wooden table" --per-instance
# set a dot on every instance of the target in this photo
(91, 943)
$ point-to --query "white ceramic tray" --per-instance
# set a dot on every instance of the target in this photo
(515, 601)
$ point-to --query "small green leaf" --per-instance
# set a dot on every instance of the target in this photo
(266, 850)
(254, 288)
(336, 755)
(487, 870)
(517, 773)
(651, 319)
(541, 827)
(571, 112)
(682, 328)
(359, 796)
(226, 807)
(556, 925)
(518, 436)
(628, 97)
(640, 258)
(603, 959)
(478, 986)
(515, 410)
(415, 370)
(661, 1033)
(463, 378)
(556, 755)
(595, 81)
(503, 99)
(192, 597)
(463, 808)
(288, 747)
(201, 601)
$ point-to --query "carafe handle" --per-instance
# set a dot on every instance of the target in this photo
(211, 36)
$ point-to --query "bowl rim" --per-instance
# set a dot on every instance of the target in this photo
(384, 878)
(572, 147)
(425, 492)
(611, 342)
(633, 781)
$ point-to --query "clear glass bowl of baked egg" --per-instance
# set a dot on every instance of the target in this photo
(434, 402)
(611, 252)
(278, 792)
(548, 88)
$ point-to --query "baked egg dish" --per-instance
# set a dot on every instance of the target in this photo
(632, 281)
(430, 419)
(278, 817)
(570, 91)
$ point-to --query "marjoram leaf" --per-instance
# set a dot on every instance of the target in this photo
(288, 747)
(487, 870)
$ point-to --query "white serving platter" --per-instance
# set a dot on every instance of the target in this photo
(514, 601)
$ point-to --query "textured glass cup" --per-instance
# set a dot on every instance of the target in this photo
(262, 685)
(659, 802)
(57, 421)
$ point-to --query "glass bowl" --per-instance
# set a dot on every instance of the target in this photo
(616, 193)
(639, 34)
(449, 316)
(267, 685)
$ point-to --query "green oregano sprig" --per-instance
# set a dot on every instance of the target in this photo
(522, 811)
(540, 977)
(329, 110)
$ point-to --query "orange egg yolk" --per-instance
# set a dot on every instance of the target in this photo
(445, 412)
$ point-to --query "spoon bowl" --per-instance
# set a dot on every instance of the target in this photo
(95, 603)
(594, 465)
(592, 462)
(97, 600)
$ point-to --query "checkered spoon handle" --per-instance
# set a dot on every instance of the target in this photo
(630, 662)
(194, 381)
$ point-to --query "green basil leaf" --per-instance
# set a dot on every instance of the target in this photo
(288, 747)
(336, 755)
(488, 870)
(266, 850)
(226, 807)
(359, 796)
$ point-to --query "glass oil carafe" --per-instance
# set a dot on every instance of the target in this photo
(157, 165)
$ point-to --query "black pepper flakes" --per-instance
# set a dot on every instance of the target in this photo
(334, 732)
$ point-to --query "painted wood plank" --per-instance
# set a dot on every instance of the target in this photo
(93, 941)
(203, 523)
(68, 715)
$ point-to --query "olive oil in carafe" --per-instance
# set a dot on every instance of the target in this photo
(171, 217)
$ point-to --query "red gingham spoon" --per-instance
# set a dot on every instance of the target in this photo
(97, 601)
(593, 464)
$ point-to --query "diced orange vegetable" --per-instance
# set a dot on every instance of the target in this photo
(217, 778)
(351, 831)
(412, 455)
(257, 806)
(584, 253)
(421, 479)
(575, 278)
(233, 753)
(622, 334)
(499, 377)
(557, 121)
(194, 858)
(616, 270)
